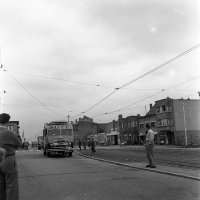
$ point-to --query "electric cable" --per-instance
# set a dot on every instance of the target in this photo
(143, 75)
(84, 83)
(152, 95)
(36, 99)
(65, 80)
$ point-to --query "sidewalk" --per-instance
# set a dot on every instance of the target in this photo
(142, 146)
(164, 169)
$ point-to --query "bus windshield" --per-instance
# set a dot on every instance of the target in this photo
(54, 132)
(66, 132)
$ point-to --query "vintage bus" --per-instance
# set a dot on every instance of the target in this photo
(58, 138)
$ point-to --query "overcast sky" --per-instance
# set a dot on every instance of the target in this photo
(63, 57)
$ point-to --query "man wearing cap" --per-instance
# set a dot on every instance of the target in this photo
(9, 187)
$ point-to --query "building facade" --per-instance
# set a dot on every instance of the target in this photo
(165, 123)
(14, 127)
(83, 128)
(187, 121)
(149, 118)
(111, 129)
(175, 120)
(129, 129)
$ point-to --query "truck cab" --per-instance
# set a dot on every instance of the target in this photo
(58, 138)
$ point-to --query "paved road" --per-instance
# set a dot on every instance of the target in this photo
(75, 178)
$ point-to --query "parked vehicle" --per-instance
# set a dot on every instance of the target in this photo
(58, 138)
(34, 144)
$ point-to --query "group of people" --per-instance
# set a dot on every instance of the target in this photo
(91, 145)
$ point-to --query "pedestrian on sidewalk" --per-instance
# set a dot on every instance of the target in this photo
(150, 147)
(84, 145)
(79, 144)
(9, 186)
(92, 147)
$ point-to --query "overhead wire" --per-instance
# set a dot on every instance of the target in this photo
(65, 80)
(84, 83)
(143, 75)
(163, 90)
(36, 99)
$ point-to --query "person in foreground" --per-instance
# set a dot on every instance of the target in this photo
(9, 142)
(150, 147)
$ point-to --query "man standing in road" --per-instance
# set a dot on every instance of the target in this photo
(150, 147)
(9, 187)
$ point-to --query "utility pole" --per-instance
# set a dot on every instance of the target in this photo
(185, 125)
(68, 118)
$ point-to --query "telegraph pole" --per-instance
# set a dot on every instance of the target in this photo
(68, 118)
(185, 125)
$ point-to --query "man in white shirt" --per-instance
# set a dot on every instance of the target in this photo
(150, 147)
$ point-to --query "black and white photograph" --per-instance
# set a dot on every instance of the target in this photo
(99, 99)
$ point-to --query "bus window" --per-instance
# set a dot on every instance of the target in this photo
(54, 132)
(66, 132)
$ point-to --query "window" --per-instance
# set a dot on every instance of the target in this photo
(163, 108)
(168, 108)
(53, 132)
(153, 124)
(164, 122)
(158, 110)
(141, 125)
(11, 128)
(66, 132)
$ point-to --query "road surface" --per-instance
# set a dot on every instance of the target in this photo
(60, 178)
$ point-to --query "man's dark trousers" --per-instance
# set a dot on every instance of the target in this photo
(9, 186)
(150, 154)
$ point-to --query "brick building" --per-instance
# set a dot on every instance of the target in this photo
(175, 120)
(84, 127)
(129, 129)
(149, 118)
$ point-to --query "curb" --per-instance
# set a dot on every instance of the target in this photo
(141, 168)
